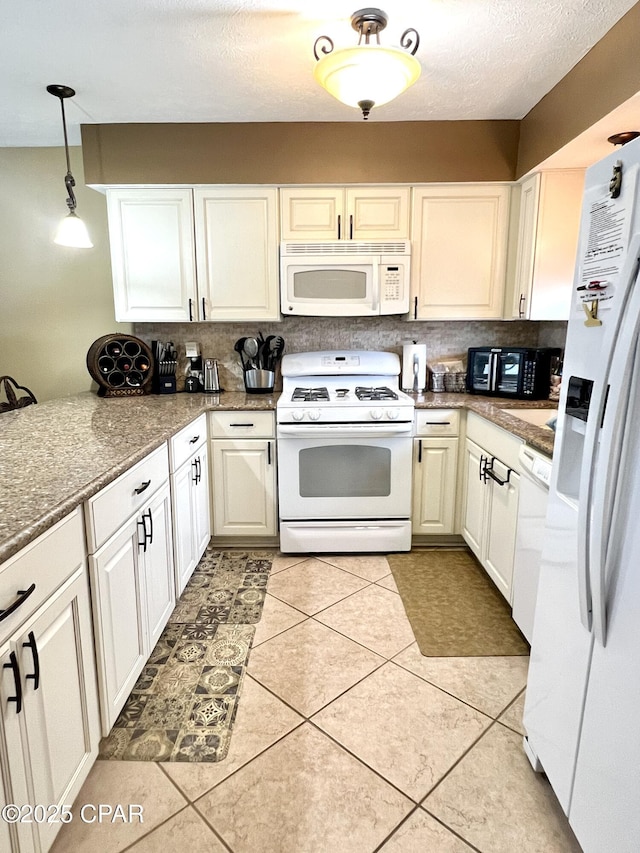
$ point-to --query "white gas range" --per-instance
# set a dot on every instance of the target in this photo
(344, 453)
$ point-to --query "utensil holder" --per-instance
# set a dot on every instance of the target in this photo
(259, 381)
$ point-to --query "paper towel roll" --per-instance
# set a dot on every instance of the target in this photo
(414, 367)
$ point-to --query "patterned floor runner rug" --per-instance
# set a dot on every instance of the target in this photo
(184, 703)
(454, 608)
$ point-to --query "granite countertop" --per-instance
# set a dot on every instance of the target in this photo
(58, 453)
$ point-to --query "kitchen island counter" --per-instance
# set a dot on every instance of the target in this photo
(58, 453)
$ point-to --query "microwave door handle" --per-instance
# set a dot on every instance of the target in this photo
(493, 371)
(375, 290)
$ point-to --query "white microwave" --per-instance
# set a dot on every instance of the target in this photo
(344, 278)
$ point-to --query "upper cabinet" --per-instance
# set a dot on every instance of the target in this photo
(152, 254)
(351, 213)
(547, 240)
(459, 251)
(204, 254)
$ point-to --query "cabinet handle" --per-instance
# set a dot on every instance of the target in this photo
(150, 534)
(204, 310)
(199, 469)
(419, 451)
(23, 594)
(481, 474)
(521, 305)
(194, 439)
(190, 310)
(35, 675)
(240, 425)
(194, 465)
(339, 226)
(143, 544)
(351, 226)
(437, 423)
(16, 680)
(415, 308)
(268, 453)
(489, 472)
(145, 485)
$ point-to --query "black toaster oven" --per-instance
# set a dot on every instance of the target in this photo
(523, 373)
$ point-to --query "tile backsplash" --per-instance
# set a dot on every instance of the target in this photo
(448, 339)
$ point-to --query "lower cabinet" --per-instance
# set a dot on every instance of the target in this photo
(243, 474)
(435, 466)
(189, 464)
(49, 724)
(491, 492)
(133, 582)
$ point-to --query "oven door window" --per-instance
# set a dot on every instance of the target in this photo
(344, 471)
(337, 285)
(509, 369)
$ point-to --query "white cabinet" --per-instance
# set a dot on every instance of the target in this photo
(547, 240)
(132, 575)
(459, 251)
(152, 254)
(345, 213)
(243, 473)
(435, 466)
(491, 491)
(189, 464)
(184, 254)
(237, 253)
(49, 725)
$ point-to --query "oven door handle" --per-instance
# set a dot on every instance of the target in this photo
(345, 430)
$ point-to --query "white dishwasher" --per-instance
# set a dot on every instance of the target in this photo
(532, 512)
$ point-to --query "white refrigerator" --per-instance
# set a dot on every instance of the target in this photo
(582, 712)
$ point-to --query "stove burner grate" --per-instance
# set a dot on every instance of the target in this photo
(382, 393)
(309, 395)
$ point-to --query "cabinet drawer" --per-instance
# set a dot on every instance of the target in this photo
(112, 506)
(241, 425)
(183, 443)
(494, 440)
(46, 562)
(437, 422)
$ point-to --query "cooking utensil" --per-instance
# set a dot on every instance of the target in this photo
(277, 348)
(250, 349)
(239, 348)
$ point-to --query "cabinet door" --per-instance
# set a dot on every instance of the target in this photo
(55, 653)
(237, 253)
(152, 254)
(201, 504)
(525, 253)
(157, 576)
(377, 213)
(119, 619)
(312, 213)
(434, 485)
(14, 758)
(459, 255)
(474, 500)
(502, 519)
(182, 495)
(243, 477)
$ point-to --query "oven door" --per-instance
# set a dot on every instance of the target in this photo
(336, 287)
(509, 373)
(344, 478)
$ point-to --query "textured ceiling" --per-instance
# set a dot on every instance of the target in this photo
(223, 61)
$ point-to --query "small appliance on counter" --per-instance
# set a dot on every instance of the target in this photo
(193, 381)
(259, 358)
(414, 367)
(122, 365)
(211, 380)
(166, 362)
(523, 373)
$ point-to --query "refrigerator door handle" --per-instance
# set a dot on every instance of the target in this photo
(608, 494)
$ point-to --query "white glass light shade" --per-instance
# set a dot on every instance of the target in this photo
(367, 73)
(73, 232)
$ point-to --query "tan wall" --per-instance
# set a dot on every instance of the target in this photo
(55, 300)
(606, 77)
(290, 153)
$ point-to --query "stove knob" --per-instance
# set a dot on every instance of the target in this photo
(297, 415)
(376, 414)
(314, 415)
(393, 414)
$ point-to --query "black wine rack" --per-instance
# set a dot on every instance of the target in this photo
(122, 365)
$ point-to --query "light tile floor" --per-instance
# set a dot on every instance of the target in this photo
(347, 740)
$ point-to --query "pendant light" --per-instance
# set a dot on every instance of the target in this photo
(369, 74)
(72, 231)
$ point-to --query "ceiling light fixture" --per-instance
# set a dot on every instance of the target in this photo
(72, 231)
(367, 75)
(623, 137)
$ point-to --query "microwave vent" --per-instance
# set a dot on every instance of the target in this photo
(348, 247)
